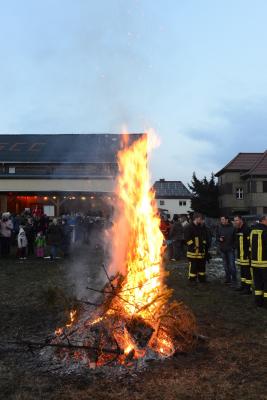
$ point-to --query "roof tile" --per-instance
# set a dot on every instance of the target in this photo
(171, 189)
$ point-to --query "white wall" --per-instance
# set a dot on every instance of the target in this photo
(173, 206)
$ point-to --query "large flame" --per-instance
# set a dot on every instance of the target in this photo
(143, 293)
(135, 315)
(143, 287)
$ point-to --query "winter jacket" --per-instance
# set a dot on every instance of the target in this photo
(40, 242)
(165, 228)
(54, 235)
(30, 232)
(22, 239)
(176, 231)
(196, 241)
(258, 246)
(6, 228)
(227, 232)
(242, 245)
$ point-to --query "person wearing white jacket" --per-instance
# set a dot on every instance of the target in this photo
(22, 243)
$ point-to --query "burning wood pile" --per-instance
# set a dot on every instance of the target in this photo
(135, 319)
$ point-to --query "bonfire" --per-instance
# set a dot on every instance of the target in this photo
(135, 318)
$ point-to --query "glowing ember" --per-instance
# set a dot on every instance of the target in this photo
(72, 318)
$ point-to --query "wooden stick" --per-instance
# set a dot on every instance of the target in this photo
(64, 346)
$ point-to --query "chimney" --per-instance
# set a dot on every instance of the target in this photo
(162, 180)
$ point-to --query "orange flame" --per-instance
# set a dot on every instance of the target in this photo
(59, 331)
(72, 318)
(143, 291)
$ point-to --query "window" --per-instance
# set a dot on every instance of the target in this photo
(264, 186)
(252, 186)
(11, 170)
(49, 211)
(182, 203)
(239, 193)
(161, 202)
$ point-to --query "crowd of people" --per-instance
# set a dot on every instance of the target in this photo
(41, 236)
(237, 243)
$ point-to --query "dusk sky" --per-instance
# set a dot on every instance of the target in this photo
(194, 70)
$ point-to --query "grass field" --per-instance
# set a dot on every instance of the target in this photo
(232, 364)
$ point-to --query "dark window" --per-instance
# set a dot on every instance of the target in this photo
(264, 210)
(182, 203)
(161, 202)
(264, 186)
(251, 187)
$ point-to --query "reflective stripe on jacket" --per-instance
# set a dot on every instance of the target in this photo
(196, 241)
(242, 245)
(258, 246)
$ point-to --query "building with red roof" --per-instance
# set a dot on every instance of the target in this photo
(243, 185)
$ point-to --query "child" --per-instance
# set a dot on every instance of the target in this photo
(22, 243)
(40, 245)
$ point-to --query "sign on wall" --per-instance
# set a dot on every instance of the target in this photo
(49, 211)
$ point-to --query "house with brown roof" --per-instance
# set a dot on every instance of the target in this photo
(243, 185)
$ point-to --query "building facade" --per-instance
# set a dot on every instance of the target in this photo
(173, 197)
(60, 173)
(243, 185)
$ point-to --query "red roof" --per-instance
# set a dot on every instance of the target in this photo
(259, 167)
(242, 162)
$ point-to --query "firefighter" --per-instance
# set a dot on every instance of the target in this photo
(258, 248)
(242, 247)
(196, 242)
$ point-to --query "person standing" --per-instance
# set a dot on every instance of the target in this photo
(242, 249)
(196, 242)
(6, 228)
(30, 233)
(208, 235)
(176, 236)
(66, 237)
(258, 245)
(54, 238)
(40, 245)
(22, 243)
(165, 226)
(225, 238)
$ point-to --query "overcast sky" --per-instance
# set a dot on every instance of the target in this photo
(194, 70)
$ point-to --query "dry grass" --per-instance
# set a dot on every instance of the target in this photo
(231, 365)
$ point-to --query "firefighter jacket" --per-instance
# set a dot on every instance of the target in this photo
(258, 246)
(242, 245)
(196, 241)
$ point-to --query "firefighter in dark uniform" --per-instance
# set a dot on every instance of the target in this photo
(258, 248)
(196, 242)
(243, 257)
